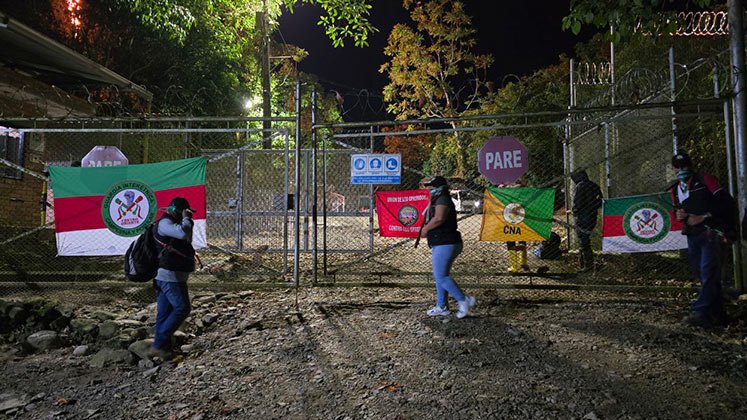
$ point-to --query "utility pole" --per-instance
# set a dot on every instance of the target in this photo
(264, 62)
(736, 34)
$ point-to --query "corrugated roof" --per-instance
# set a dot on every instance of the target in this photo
(28, 50)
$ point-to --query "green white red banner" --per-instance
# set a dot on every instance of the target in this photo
(642, 223)
(400, 213)
(101, 210)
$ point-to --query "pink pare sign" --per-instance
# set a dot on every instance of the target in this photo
(101, 156)
(503, 160)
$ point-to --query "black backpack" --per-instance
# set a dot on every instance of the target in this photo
(141, 258)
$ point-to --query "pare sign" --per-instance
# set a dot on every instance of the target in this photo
(503, 160)
(104, 156)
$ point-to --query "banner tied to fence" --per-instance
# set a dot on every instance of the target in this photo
(400, 213)
(643, 223)
(101, 210)
(517, 214)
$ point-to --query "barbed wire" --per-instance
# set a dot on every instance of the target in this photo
(594, 74)
(703, 23)
(29, 101)
(706, 23)
(637, 85)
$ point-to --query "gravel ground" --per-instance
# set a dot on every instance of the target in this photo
(370, 353)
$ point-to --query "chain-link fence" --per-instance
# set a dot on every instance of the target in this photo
(262, 202)
(246, 191)
(627, 152)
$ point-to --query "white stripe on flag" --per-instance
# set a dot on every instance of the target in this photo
(98, 242)
(622, 244)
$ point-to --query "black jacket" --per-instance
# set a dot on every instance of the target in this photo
(586, 201)
(446, 233)
(699, 201)
(174, 254)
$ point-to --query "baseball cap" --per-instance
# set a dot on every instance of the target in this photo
(681, 160)
(436, 182)
(181, 204)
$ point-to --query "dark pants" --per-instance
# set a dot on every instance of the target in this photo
(704, 252)
(583, 232)
(173, 307)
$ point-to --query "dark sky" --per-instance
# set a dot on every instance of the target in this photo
(522, 36)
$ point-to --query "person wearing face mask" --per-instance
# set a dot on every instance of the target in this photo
(693, 203)
(445, 242)
(176, 260)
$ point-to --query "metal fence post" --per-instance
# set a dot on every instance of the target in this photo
(736, 34)
(297, 188)
(240, 201)
(287, 202)
(607, 162)
(673, 93)
(371, 204)
(314, 188)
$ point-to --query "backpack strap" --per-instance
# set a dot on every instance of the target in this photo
(181, 254)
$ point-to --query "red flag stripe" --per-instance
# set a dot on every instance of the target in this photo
(84, 213)
(613, 225)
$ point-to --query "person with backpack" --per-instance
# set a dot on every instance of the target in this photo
(173, 237)
(694, 205)
(586, 203)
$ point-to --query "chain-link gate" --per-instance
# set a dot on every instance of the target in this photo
(247, 194)
(626, 151)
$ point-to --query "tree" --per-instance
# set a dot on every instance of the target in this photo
(433, 71)
(627, 16)
(342, 19)
(201, 62)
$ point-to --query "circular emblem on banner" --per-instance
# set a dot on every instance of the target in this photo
(407, 215)
(128, 208)
(514, 213)
(646, 222)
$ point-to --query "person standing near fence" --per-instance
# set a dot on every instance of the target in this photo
(586, 203)
(445, 241)
(176, 260)
(693, 203)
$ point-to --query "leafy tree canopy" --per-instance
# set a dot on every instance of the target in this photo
(627, 16)
(342, 19)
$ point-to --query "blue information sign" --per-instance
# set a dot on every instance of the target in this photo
(375, 169)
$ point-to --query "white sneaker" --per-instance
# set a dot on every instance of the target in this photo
(438, 311)
(465, 306)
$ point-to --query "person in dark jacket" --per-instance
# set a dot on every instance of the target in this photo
(694, 206)
(586, 203)
(176, 260)
(445, 242)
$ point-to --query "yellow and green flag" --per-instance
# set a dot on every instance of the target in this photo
(517, 214)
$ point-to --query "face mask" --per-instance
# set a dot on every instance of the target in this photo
(683, 175)
(436, 191)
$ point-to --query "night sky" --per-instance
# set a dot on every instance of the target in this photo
(522, 37)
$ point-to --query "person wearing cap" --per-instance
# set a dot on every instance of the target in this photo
(445, 242)
(176, 260)
(693, 203)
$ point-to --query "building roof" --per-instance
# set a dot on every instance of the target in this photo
(42, 58)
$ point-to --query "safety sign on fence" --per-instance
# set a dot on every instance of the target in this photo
(375, 169)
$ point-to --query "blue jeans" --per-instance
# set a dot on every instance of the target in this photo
(442, 256)
(703, 251)
(173, 307)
